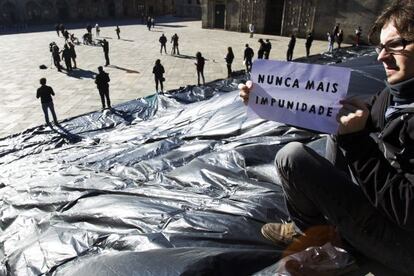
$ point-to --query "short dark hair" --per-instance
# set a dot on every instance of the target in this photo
(401, 13)
(43, 81)
(100, 68)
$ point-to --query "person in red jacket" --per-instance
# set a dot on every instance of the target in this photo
(375, 141)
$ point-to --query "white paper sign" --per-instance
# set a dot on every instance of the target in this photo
(298, 94)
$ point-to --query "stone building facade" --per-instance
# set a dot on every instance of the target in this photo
(283, 17)
(188, 8)
(44, 11)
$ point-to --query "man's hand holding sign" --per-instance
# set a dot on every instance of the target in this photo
(303, 95)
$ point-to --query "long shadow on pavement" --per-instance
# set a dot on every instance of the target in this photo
(81, 74)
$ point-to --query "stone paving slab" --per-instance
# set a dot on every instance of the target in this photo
(21, 55)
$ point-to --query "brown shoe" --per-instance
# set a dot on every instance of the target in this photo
(281, 234)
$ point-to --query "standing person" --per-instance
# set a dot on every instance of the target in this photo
(248, 56)
(163, 42)
(73, 53)
(89, 30)
(97, 30)
(105, 46)
(45, 94)
(66, 35)
(308, 43)
(56, 57)
(67, 56)
(291, 47)
(174, 41)
(57, 29)
(358, 33)
(340, 38)
(102, 83)
(268, 48)
(153, 22)
(62, 28)
(261, 50)
(251, 30)
(374, 140)
(158, 72)
(335, 30)
(331, 41)
(229, 60)
(118, 31)
(149, 23)
(200, 67)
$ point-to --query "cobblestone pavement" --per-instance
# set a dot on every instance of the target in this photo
(132, 59)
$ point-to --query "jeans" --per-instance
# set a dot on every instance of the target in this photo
(200, 73)
(104, 93)
(45, 107)
(158, 80)
(317, 193)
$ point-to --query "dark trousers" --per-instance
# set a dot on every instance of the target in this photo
(229, 70)
(289, 54)
(174, 49)
(260, 54)
(104, 93)
(68, 64)
(307, 51)
(159, 80)
(266, 55)
(106, 58)
(248, 65)
(57, 64)
(50, 106)
(119, 37)
(165, 48)
(200, 73)
(318, 193)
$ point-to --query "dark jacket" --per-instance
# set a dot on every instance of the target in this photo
(158, 71)
(200, 63)
(105, 46)
(382, 159)
(45, 94)
(292, 43)
(229, 58)
(102, 80)
(163, 39)
(248, 53)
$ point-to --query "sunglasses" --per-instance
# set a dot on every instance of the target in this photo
(393, 46)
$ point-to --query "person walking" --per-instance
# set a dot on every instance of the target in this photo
(291, 47)
(67, 57)
(118, 31)
(248, 56)
(229, 60)
(45, 94)
(73, 54)
(308, 43)
(251, 30)
(105, 46)
(163, 42)
(174, 41)
(158, 72)
(200, 67)
(268, 48)
(262, 49)
(102, 83)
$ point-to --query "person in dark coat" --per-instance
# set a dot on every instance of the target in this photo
(89, 30)
(229, 60)
(118, 31)
(200, 67)
(248, 56)
(45, 94)
(72, 53)
(340, 38)
(66, 35)
(163, 42)
(57, 28)
(362, 191)
(67, 57)
(149, 23)
(158, 72)
(56, 57)
(174, 41)
(261, 50)
(105, 47)
(291, 47)
(268, 48)
(102, 83)
(308, 43)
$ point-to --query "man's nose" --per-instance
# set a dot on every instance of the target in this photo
(383, 55)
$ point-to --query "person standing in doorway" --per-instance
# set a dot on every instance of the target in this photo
(200, 67)
(229, 60)
(102, 83)
(163, 42)
(158, 72)
(118, 31)
(105, 46)
(248, 56)
(45, 94)
(291, 47)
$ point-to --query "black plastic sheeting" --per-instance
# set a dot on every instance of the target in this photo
(171, 184)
